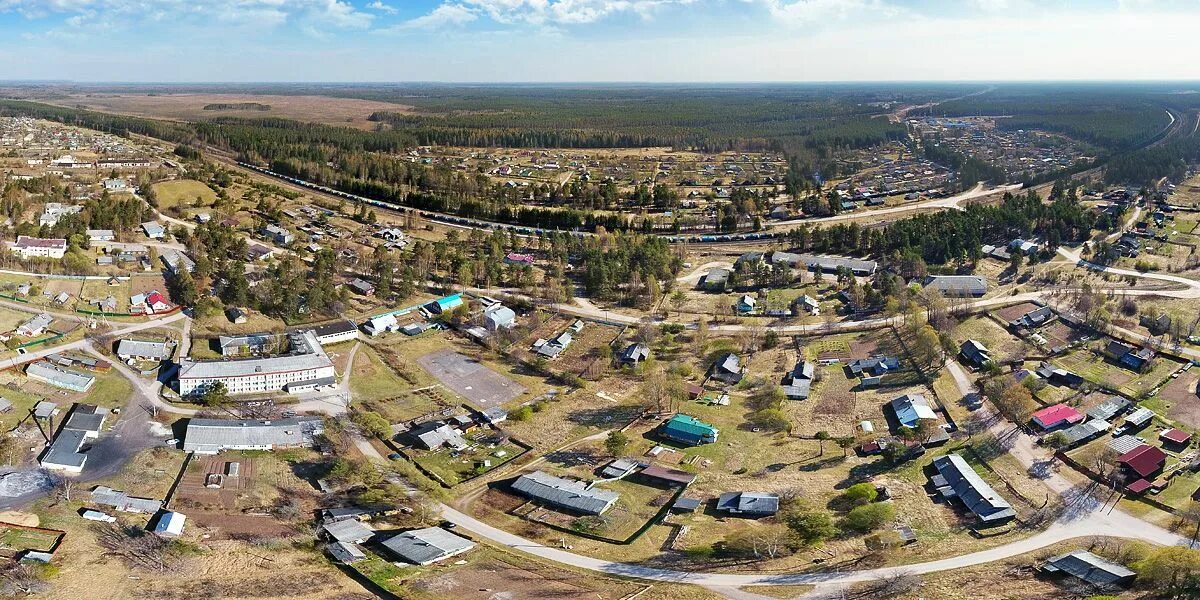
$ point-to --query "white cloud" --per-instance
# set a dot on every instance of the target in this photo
(446, 15)
(316, 15)
(381, 7)
(817, 12)
(565, 12)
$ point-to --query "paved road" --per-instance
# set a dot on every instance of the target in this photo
(84, 343)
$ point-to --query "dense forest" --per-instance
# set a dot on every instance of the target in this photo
(945, 237)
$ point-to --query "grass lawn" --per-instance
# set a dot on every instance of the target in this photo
(383, 573)
(13, 539)
(183, 193)
(982, 329)
(1097, 369)
(455, 466)
(110, 390)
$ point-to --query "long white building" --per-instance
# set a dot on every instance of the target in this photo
(305, 368)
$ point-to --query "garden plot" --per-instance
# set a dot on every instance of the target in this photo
(471, 379)
(238, 504)
(1098, 369)
(983, 329)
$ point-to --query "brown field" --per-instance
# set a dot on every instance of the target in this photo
(241, 506)
(190, 107)
(1180, 394)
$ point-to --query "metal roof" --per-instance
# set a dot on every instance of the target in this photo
(972, 490)
(59, 376)
(214, 435)
(142, 348)
(1089, 567)
(566, 493)
(124, 502)
(349, 530)
(423, 546)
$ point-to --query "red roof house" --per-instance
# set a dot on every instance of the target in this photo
(1138, 486)
(1175, 436)
(157, 302)
(1144, 461)
(1059, 415)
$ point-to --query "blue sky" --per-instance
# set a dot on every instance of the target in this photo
(597, 40)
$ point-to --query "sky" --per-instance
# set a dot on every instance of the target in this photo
(597, 40)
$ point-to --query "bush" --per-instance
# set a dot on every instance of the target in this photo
(869, 517)
(521, 414)
(810, 527)
(860, 494)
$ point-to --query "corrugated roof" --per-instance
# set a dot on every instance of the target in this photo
(423, 546)
(213, 435)
(565, 493)
(972, 490)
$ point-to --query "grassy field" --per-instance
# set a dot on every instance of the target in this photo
(183, 193)
(454, 466)
(1097, 369)
(983, 329)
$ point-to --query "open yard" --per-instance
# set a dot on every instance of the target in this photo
(471, 379)
(488, 451)
(1100, 370)
(183, 194)
(1004, 346)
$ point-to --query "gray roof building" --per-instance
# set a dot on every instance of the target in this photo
(127, 349)
(60, 377)
(124, 502)
(345, 553)
(435, 434)
(749, 504)
(575, 496)
(428, 545)
(351, 531)
(1108, 409)
(964, 484)
(957, 285)
(209, 436)
(826, 263)
(1088, 567)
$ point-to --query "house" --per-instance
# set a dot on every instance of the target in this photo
(1085, 432)
(1174, 436)
(1143, 462)
(1110, 408)
(124, 502)
(876, 366)
(210, 436)
(362, 287)
(349, 531)
(717, 279)
(278, 235)
(957, 286)
(32, 247)
(35, 326)
(95, 515)
(634, 354)
(381, 324)
(53, 212)
(142, 350)
(115, 185)
(1034, 318)
(1056, 417)
(1057, 376)
(154, 230)
(235, 315)
(748, 504)
(101, 235)
(911, 409)
(809, 305)
(1089, 568)
(426, 546)
(176, 262)
(498, 316)
(1156, 324)
(259, 252)
(59, 377)
(170, 524)
(433, 435)
(975, 353)
(797, 384)
(956, 480)
(689, 430)
(728, 369)
(1130, 357)
(1025, 247)
(746, 304)
(556, 346)
(572, 496)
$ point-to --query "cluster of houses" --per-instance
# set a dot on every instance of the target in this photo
(558, 344)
